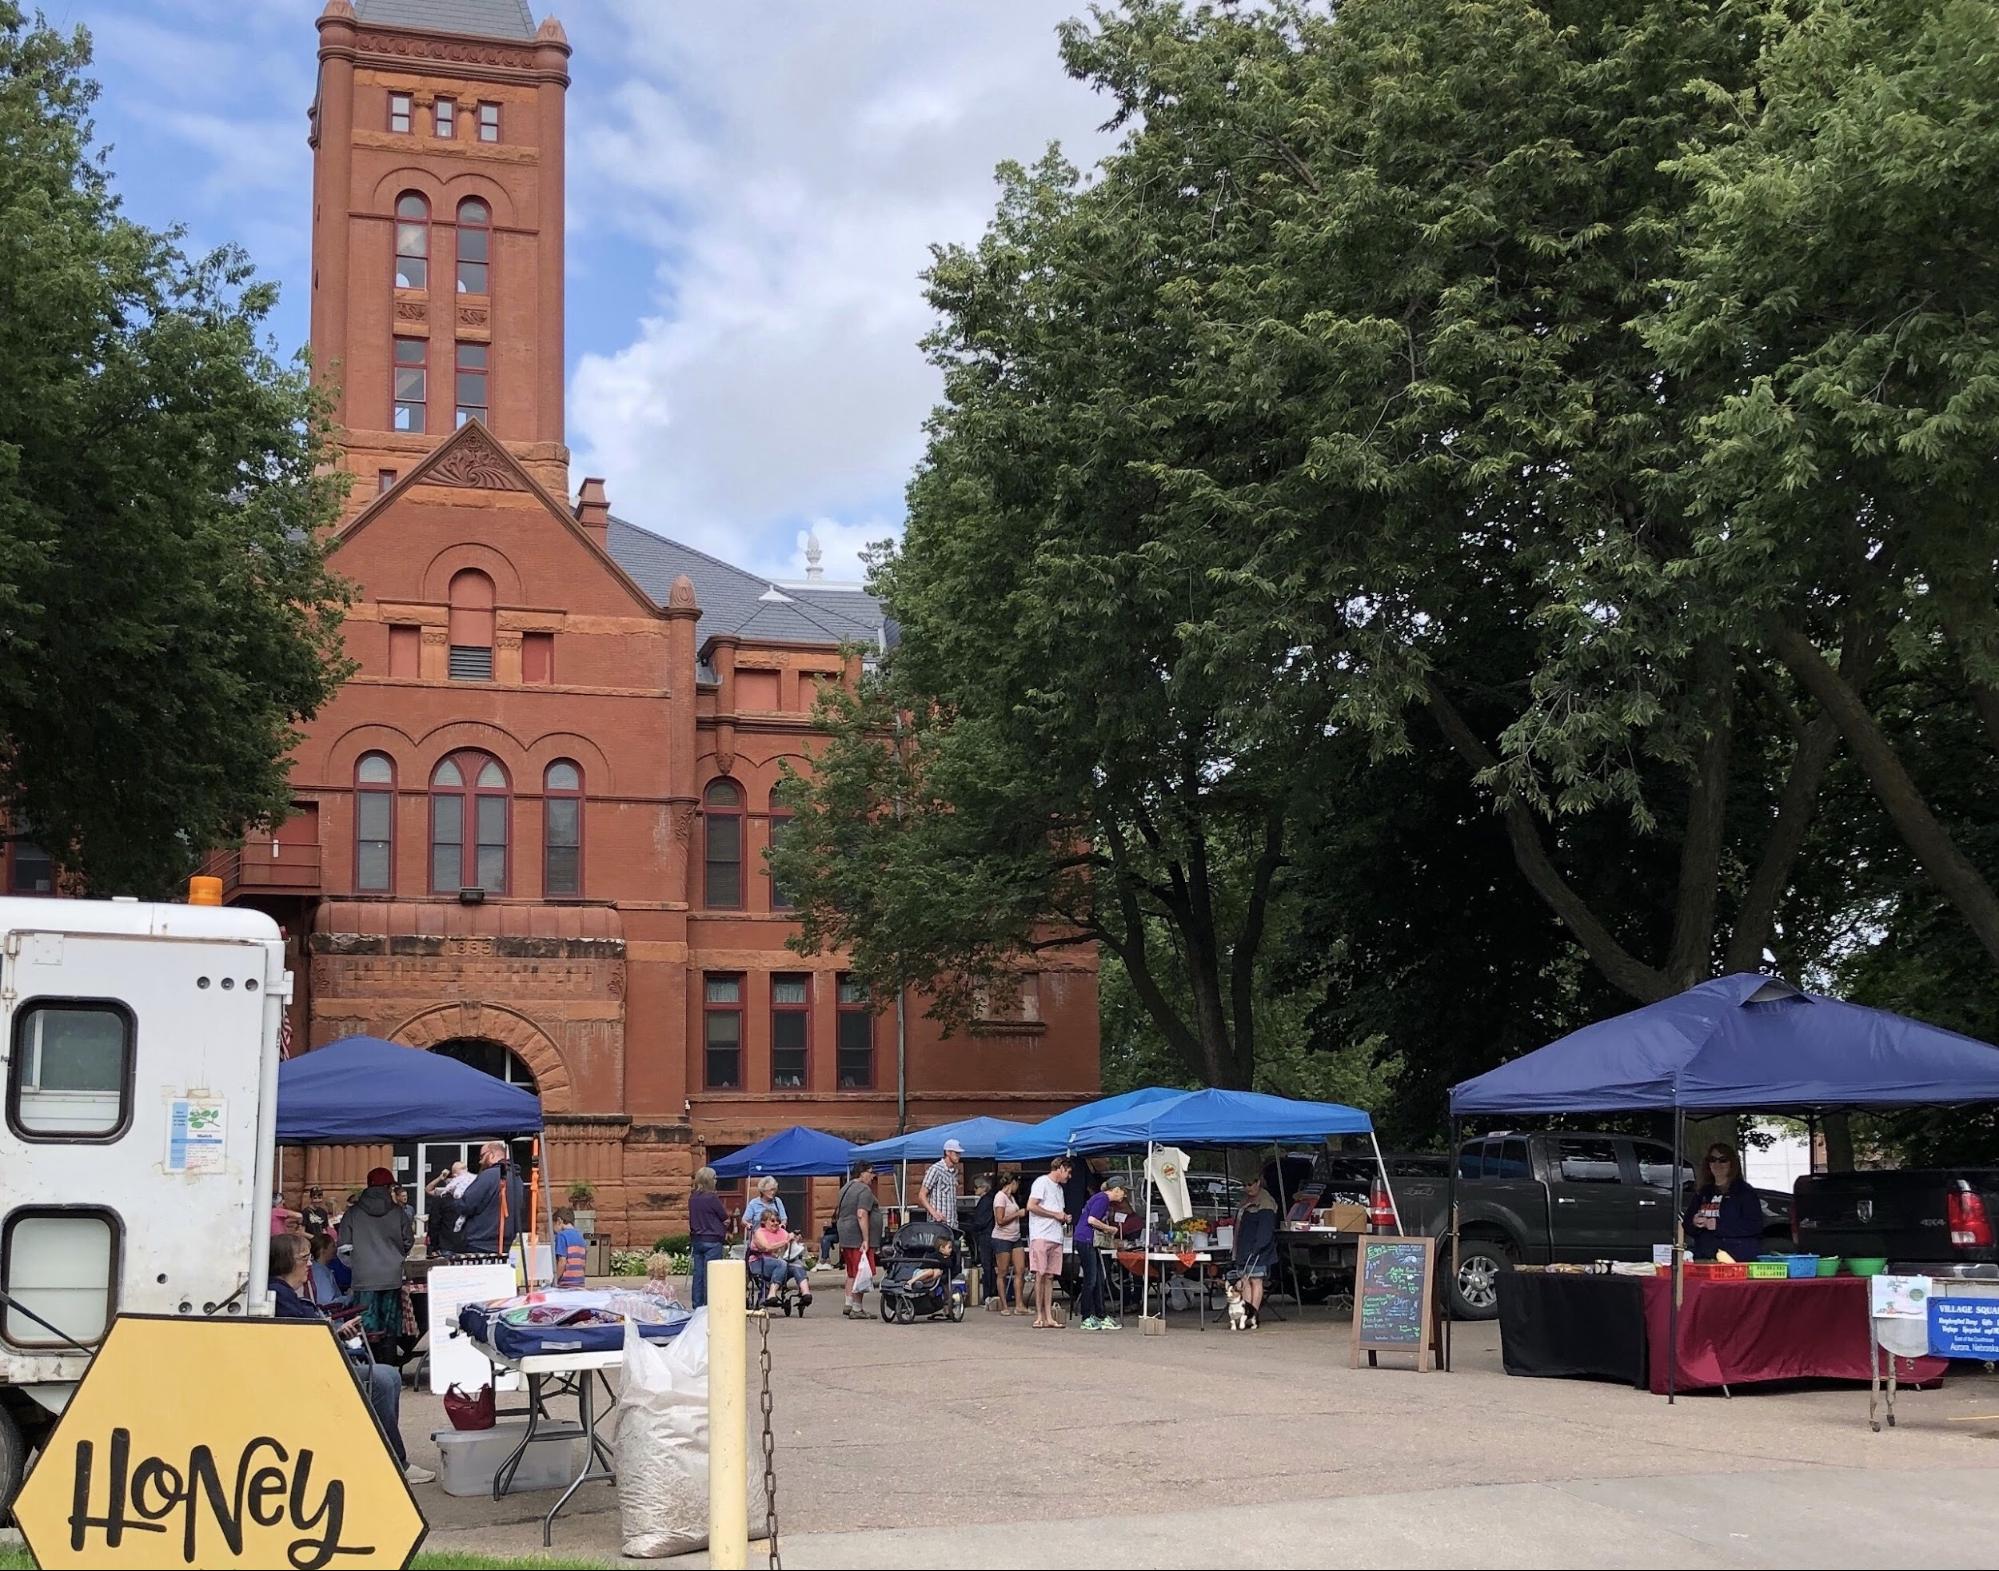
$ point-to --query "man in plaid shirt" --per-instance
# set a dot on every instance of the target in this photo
(940, 1185)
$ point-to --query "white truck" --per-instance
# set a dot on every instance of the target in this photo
(136, 1158)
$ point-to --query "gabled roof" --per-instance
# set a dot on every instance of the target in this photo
(473, 457)
(735, 601)
(481, 18)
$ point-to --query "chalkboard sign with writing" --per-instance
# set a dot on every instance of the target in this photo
(1392, 1303)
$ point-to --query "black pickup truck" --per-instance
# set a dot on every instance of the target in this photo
(1540, 1198)
(1932, 1221)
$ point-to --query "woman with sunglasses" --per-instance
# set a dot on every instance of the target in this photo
(1725, 1216)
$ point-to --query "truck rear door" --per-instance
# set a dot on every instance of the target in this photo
(1902, 1216)
(1659, 1190)
(1593, 1201)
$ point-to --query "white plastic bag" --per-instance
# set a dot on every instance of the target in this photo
(864, 1276)
(662, 1445)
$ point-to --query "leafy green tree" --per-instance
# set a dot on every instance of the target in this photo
(166, 613)
(1840, 305)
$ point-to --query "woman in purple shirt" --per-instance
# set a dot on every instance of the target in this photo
(1094, 1228)
(708, 1226)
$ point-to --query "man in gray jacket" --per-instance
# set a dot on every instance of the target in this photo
(376, 1235)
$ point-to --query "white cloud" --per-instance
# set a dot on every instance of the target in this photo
(790, 165)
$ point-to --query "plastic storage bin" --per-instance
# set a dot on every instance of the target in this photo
(1794, 1265)
(1715, 1270)
(467, 1459)
(1768, 1270)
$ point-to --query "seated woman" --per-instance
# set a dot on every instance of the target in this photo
(1255, 1246)
(1724, 1216)
(767, 1229)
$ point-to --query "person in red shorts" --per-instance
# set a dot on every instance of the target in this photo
(857, 1224)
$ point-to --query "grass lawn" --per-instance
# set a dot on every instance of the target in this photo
(16, 1559)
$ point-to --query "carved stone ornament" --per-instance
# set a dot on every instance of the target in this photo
(474, 460)
(472, 316)
(725, 761)
(412, 311)
(431, 48)
(683, 826)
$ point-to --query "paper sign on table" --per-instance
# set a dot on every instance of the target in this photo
(1899, 1297)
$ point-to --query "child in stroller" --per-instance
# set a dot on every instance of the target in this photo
(922, 1274)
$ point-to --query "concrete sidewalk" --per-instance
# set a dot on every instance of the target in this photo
(989, 1444)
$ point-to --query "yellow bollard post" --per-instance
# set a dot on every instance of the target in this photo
(728, 1417)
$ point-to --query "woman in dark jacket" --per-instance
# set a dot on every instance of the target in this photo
(1725, 1215)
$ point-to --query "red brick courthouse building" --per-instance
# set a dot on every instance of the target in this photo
(530, 830)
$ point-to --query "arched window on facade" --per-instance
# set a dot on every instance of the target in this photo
(471, 626)
(722, 851)
(562, 829)
(471, 804)
(412, 241)
(780, 820)
(375, 824)
(475, 242)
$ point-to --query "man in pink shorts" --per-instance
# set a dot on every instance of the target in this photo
(1046, 1224)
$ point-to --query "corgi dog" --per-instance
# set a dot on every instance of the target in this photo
(1238, 1311)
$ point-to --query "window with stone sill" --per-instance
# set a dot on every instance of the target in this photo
(1008, 1009)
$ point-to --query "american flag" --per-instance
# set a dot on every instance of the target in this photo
(285, 1035)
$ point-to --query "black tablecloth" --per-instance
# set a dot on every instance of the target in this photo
(1562, 1324)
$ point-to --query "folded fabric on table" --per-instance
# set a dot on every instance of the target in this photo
(568, 1320)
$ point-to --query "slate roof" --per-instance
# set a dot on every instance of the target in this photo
(735, 601)
(482, 18)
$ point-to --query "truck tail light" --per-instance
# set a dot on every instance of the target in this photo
(1380, 1209)
(1970, 1227)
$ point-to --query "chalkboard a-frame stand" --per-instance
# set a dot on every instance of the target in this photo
(1394, 1298)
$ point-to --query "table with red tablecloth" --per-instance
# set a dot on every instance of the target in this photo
(1739, 1332)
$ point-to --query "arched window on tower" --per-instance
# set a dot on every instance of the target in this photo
(471, 804)
(374, 824)
(471, 631)
(475, 240)
(722, 882)
(562, 829)
(412, 241)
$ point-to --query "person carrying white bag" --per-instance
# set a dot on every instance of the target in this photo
(662, 1446)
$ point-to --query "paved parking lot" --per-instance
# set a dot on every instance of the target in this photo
(989, 1443)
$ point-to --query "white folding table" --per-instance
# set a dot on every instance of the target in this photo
(587, 1369)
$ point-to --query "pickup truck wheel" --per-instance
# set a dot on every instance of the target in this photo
(13, 1462)
(1475, 1288)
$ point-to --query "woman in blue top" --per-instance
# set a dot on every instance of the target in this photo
(1725, 1216)
(708, 1227)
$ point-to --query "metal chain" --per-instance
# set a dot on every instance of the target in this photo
(770, 1447)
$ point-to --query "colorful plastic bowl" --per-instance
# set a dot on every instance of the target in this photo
(1870, 1265)
(1828, 1265)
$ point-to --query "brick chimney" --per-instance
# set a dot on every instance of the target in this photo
(593, 509)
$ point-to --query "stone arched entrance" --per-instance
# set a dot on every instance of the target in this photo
(508, 1028)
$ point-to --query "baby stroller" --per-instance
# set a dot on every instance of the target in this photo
(922, 1274)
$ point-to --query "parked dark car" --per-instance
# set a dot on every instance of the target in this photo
(1554, 1196)
(1933, 1221)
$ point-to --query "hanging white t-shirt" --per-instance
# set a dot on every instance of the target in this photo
(1045, 1229)
(1167, 1168)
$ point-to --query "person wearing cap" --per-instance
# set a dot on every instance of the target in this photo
(940, 1185)
(377, 1235)
(314, 1218)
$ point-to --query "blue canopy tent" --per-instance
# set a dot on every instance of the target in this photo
(1050, 1137)
(1738, 1043)
(362, 1088)
(797, 1152)
(1218, 1118)
(981, 1138)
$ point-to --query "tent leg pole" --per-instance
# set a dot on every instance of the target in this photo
(548, 1200)
(1394, 1210)
(1450, 1221)
(1145, 1281)
(1679, 1251)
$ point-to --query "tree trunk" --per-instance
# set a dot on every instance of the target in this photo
(1956, 879)
(1692, 950)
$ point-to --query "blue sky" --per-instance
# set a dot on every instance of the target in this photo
(753, 187)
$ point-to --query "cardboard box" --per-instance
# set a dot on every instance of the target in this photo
(1346, 1217)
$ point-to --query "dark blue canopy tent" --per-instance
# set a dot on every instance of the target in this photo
(362, 1088)
(1741, 1043)
(1050, 1137)
(797, 1152)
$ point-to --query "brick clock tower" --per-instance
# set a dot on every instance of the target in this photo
(437, 231)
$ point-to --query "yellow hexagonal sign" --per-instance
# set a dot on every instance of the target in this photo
(218, 1443)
